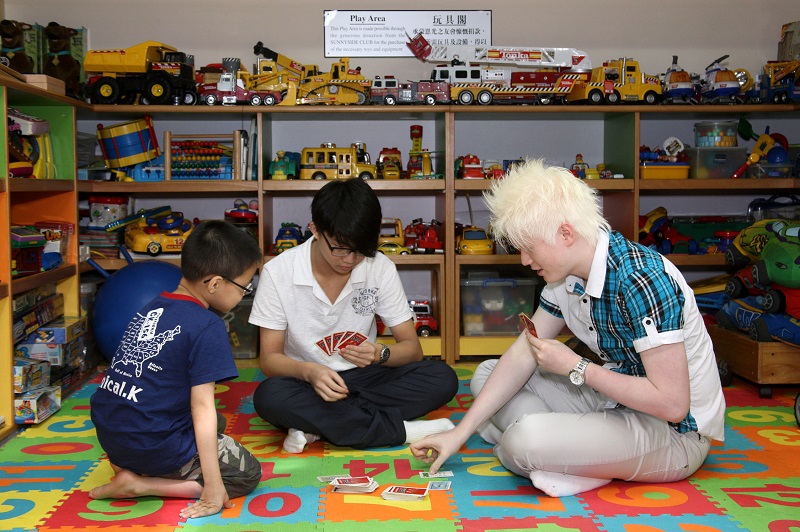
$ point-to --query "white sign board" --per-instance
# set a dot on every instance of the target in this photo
(385, 33)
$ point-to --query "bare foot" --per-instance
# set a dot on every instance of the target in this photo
(123, 486)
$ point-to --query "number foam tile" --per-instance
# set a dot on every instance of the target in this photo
(758, 504)
(633, 498)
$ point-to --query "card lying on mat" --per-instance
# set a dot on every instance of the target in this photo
(404, 493)
(354, 485)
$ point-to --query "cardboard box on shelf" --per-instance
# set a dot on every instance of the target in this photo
(42, 313)
(59, 331)
(56, 354)
(30, 374)
(36, 406)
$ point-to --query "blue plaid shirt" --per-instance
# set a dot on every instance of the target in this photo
(630, 303)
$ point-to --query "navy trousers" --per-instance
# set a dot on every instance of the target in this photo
(380, 399)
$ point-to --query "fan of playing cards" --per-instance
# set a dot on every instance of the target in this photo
(339, 340)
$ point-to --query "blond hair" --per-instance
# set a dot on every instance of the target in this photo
(534, 199)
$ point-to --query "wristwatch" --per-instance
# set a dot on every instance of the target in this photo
(384, 353)
(576, 376)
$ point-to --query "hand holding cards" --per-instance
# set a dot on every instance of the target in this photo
(528, 324)
(339, 340)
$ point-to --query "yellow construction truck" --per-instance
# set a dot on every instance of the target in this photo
(150, 72)
(616, 81)
(306, 84)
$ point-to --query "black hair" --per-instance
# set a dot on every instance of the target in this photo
(217, 247)
(349, 211)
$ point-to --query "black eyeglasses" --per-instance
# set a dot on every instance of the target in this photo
(246, 289)
(339, 251)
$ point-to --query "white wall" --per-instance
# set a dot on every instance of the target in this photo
(698, 31)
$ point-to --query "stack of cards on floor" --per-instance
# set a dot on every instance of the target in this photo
(354, 485)
(404, 493)
(339, 340)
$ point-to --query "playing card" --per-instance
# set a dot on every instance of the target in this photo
(329, 343)
(351, 481)
(436, 485)
(350, 339)
(322, 345)
(528, 324)
(404, 493)
(331, 478)
(438, 474)
(335, 339)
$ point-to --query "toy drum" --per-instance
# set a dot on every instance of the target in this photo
(128, 143)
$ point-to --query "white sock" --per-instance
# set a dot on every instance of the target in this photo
(296, 441)
(416, 430)
(561, 485)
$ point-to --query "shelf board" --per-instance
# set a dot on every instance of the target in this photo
(484, 345)
(464, 260)
(715, 259)
(405, 185)
(598, 184)
(29, 282)
(174, 186)
(719, 185)
(19, 184)
(118, 264)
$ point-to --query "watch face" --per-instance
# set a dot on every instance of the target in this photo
(576, 378)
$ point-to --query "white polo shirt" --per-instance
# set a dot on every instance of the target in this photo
(289, 299)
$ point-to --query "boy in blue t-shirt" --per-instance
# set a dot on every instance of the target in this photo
(154, 410)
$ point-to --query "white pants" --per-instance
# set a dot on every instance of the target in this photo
(553, 425)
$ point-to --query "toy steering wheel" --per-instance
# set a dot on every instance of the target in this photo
(170, 222)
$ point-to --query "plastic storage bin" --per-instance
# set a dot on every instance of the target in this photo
(762, 170)
(715, 163)
(663, 171)
(716, 134)
(489, 306)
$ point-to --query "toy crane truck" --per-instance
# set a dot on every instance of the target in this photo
(306, 84)
(153, 72)
(779, 82)
(520, 75)
(237, 86)
(617, 81)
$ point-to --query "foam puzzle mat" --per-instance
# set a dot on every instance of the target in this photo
(751, 482)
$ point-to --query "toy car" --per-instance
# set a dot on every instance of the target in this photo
(424, 322)
(391, 232)
(289, 235)
(748, 315)
(429, 241)
(155, 236)
(750, 242)
(473, 240)
(283, 167)
(469, 167)
(390, 248)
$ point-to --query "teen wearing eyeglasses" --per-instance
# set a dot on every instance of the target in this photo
(366, 395)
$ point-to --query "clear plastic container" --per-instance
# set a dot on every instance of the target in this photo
(716, 134)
